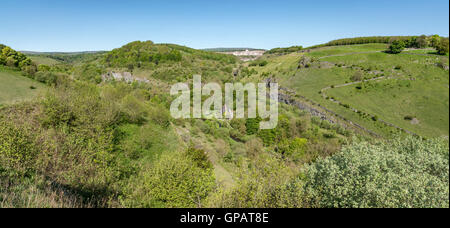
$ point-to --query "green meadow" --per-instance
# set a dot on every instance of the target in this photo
(412, 92)
(14, 87)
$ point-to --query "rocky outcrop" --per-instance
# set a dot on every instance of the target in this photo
(123, 76)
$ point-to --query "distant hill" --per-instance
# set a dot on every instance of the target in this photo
(66, 57)
(165, 62)
(61, 53)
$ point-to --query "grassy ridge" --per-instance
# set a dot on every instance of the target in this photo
(15, 88)
(418, 88)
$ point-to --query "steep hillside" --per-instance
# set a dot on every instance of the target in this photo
(169, 62)
(93, 142)
(385, 93)
(14, 87)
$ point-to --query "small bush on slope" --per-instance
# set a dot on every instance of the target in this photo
(265, 182)
(174, 181)
(403, 173)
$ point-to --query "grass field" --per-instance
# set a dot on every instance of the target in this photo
(43, 60)
(14, 87)
(412, 93)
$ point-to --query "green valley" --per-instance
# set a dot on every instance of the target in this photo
(358, 126)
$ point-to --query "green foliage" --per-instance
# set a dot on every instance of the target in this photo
(367, 40)
(266, 183)
(259, 62)
(293, 149)
(199, 157)
(175, 180)
(252, 125)
(12, 58)
(90, 72)
(402, 173)
(442, 46)
(43, 67)
(285, 50)
(46, 77)
(138, 54)
(397, 47)
(269, 137)
(169, 62)
(357, 76)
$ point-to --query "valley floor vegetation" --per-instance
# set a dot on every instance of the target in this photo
(80, 140)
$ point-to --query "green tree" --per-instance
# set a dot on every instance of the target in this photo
(442, 47)
(421, 41)
(43, 67)
(435, 40)
(397, 47)
(252, 125)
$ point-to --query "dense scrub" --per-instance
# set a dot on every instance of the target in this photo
(401, 173)
(14, 59)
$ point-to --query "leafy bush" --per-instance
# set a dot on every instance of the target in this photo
(46, 77)
(12, 58)
(357, 76)
(199, 157)
(293, 149)
(285, 50)
(266, 183)
(174, 181)
(443, 46)
(397, 47)
(402, 173)
(259, 62)
(17, 149)
(252, 125)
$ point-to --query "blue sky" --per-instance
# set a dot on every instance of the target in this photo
(82, 25)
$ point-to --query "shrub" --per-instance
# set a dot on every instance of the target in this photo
(357, 76)
(199, 157)
(443, 46)
(46, 77)
(134, 111)
(293, 149)
(252, 125)
(17, 150)
(175, 181)
(254, 147)
(264, 183)
(43, 67)
(401, 173)
(397, 47)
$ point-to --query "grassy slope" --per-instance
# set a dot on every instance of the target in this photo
(426, 97)
(15, 87)
(43, 60)
(419, 90)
